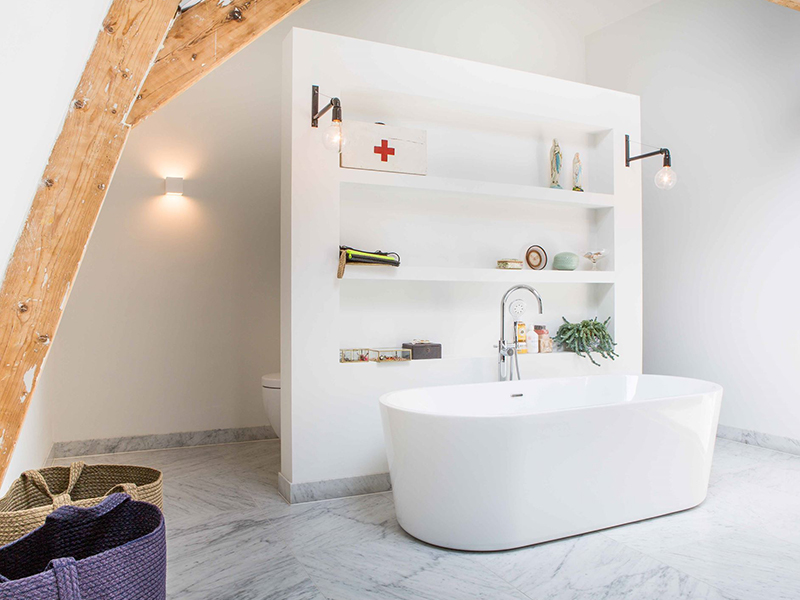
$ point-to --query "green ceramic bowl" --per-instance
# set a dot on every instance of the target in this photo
(565, 261)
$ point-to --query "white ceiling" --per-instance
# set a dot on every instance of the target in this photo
(588, 16)
(592, 15)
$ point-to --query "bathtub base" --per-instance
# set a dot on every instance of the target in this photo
(534, 542)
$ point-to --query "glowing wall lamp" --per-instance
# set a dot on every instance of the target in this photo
(173, 186)
(665, 178)
(334, 138)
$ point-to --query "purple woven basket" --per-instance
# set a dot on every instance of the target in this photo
(113, 551)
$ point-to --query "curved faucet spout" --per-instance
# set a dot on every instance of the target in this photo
(505, 349)
(505, 299)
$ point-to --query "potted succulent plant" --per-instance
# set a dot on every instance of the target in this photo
(586, 337)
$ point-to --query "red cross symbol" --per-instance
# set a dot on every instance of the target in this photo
(384, 150)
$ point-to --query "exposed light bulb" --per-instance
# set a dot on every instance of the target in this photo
(334, 138)
(666, 178)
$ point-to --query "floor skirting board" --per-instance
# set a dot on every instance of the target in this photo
(756, 438)
(161, 441)
(50, 456)
(296, 493)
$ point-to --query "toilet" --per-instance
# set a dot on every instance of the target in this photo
(271, 392)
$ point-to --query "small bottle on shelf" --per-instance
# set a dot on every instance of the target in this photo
(545, 341)
(533, 341)
(522, 337)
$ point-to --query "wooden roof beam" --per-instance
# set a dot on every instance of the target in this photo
(203, 38)
(146, 54)
(795, 4)
(71, 191)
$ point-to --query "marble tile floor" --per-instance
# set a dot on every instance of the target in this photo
(231, 536)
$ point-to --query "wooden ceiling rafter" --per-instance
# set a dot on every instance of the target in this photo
(795, 4)
(146, 53)
(205, 36)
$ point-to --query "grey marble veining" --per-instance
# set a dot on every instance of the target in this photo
(763, 498)
(592, 566)
(756, 438)
(230, 535)
(161, 441)
(689, 526)
(732, 457)
(744, 564)
(340, 522)
(236, 558)
(398, 568)
(297, 493)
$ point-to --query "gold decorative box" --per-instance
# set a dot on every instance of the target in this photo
(510, 264)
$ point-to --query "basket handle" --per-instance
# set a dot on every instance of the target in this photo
(66, 574)
(122, 488)
(35, 477)
(66, 514)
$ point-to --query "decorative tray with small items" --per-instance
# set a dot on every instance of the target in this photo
(379, 355)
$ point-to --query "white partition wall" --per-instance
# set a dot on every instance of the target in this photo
(485, 197)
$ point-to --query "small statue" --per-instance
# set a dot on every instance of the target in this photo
(595, 256)
(577, 171)
(555, 165)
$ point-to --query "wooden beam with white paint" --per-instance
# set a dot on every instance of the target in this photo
(795, 4)
(68, 199)
(203, 38)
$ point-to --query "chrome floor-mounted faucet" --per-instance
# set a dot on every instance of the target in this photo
(507, 350)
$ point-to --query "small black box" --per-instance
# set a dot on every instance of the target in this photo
(423, 350)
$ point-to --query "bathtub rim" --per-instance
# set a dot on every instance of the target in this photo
(385, 403)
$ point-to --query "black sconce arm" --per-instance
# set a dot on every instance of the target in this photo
(629, 159)
(316, 113)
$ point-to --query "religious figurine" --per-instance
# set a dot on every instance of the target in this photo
(555, 165)
(577, 171)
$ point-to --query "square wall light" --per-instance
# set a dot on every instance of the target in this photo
(173, 186)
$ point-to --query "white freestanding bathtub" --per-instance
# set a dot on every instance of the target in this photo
(494, 466)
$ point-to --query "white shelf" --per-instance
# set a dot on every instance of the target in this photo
(431, 364)
(478, 188)
(402, 273)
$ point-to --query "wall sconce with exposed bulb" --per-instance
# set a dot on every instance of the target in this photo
(334, 138)
(666, 178)
(173, 186)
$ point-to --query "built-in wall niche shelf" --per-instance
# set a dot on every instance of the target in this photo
(470, 187)
(471, 138)
(462, 227)
(462, 315)
(447, 274)
(486, 197)
(554, 363)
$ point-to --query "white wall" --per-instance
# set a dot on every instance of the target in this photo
(720, 86)
(175, 313)
(42, 55)
(34, 443)
(332, 412)
(43, 50)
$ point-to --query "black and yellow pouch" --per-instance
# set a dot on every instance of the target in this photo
(348, 255)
